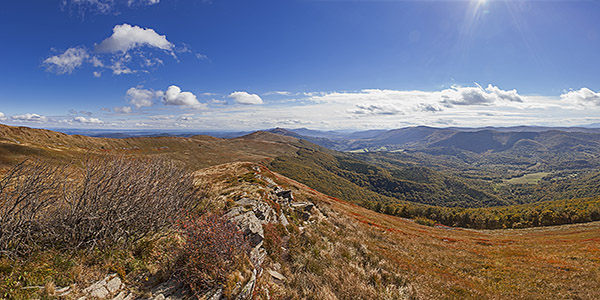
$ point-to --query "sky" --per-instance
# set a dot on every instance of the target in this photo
(246, 65)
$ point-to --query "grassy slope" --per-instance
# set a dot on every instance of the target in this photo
(558, 262)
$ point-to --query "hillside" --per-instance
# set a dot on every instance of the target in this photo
(400, 183)
(380, 256)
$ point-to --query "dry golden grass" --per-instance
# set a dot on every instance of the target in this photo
(561, 262)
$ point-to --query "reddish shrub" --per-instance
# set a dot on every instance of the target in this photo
(213, 248)
(273, 240)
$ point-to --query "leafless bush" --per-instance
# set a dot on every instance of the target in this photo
(28, 194)
(107, 200)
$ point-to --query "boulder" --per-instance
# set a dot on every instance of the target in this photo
(285, 194)
(251, 226)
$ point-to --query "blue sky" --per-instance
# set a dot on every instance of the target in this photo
(229, 65)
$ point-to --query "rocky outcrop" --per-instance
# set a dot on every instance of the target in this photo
(249, 214)
(111, 285)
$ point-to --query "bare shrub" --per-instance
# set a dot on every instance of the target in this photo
(28, 194)
(214, 247)
(120, 199)
(106, 201)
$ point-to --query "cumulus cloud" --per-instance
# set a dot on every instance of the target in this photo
(376, 109)
(174, 96)
(2, 116)
(129, 49)
(35, 118)
(88, 121)
(582, 97)
(477, 95)
(140, 97)
(123, 109)
(126, 37)
(68, 61)
(245, 98)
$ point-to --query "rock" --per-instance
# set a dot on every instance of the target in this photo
(276, 275)
(248, 288)
(304, 208)
(236, 211)
(171, 290)
(251, 226)
(103, 288)
(247, 202)
(123, 296)
(114, 284)
(100, 292)
(285, 194)
(283, 220)
(217, 295)
(61, 292)
(258, 255)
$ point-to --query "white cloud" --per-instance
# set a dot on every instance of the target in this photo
(140, 97)
(218, 101)
(2, 116)
(186, 118)
(478, 95)
(376, 109)
(174, 96)
(88, 121)
(29, 118)
(123, 109)
(280, 93)
(68, 61)
(128, 45)
(151, 62)
(126, 37)
(96, 62)
(245, 98)
(119, 66)
(582, 97)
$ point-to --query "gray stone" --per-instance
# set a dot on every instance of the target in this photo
(285, 194)
(100, 292)
(248, 288)
(283, 220)
(159, 297)
(123, 295)
(217, 295)
(236, 211)
(114, 284)
(276, 275)
(258, 255)
(247, 202)
(251, 226)
(61, 292)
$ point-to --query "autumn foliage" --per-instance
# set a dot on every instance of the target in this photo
(213, 248)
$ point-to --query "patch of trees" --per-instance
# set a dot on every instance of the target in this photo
(546, 213)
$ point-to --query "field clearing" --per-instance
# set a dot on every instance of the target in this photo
(532, 178)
